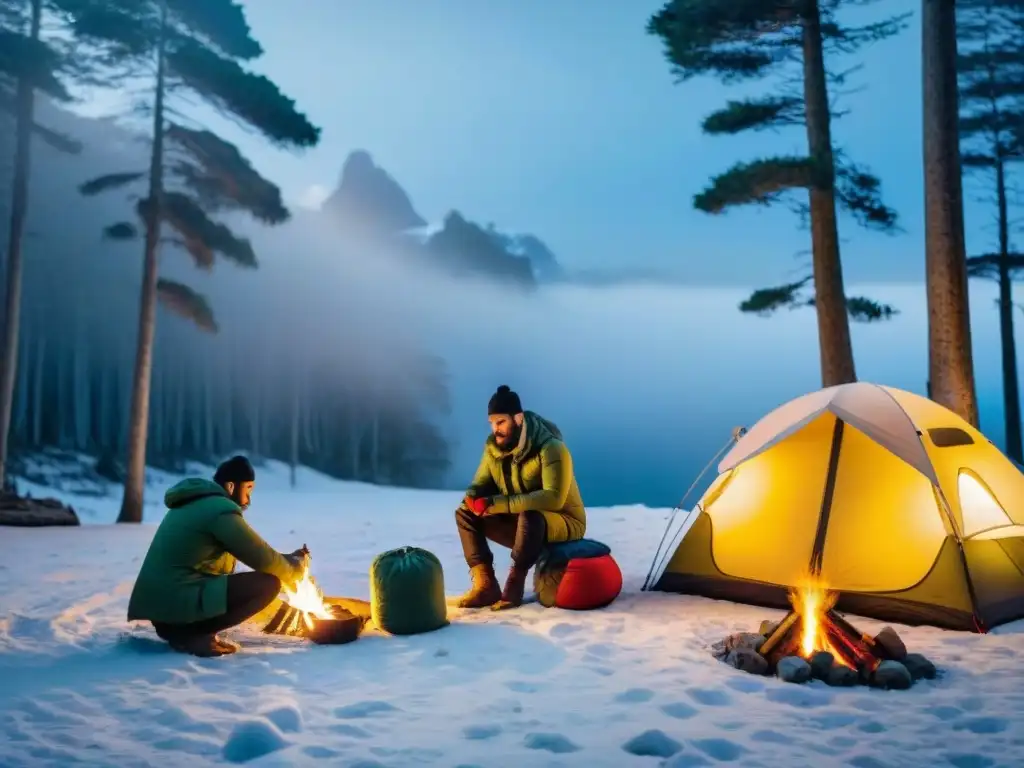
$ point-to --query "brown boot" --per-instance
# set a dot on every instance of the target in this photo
(515, 587)
(485, 590)
(228, 646)
(204, 646)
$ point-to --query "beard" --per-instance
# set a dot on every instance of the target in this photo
(510, 439)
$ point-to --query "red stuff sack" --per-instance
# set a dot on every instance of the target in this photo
(589, 583)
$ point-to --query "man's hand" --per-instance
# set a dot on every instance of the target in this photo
(300, 557)
(478, 506)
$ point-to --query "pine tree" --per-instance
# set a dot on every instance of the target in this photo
(990, 69)
(742, 40)
(28, 64)
(950, 360)
(194, 46)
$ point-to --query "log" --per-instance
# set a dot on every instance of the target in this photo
(874, 648)
(780, 634)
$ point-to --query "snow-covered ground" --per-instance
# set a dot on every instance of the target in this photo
(79, 686)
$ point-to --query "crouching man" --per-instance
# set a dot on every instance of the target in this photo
(187, 586)
(523, 496)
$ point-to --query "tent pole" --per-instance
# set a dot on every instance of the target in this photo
(737, 433)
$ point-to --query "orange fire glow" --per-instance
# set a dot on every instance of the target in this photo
(812, 598)
(308, 599)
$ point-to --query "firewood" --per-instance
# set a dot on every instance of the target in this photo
(873, 647)
(780, 634)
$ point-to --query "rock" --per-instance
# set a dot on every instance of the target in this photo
(891, 644)
(919, 667)
(28, 512)
(793, 669)
(768, 627)
(821, 662)
(749, 641)
(892, 676)
(841, 676)
(748, 661)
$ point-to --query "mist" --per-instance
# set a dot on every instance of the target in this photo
(646, 381)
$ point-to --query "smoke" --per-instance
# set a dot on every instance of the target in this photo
(646, 381)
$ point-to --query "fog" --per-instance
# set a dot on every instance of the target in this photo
(646, 381)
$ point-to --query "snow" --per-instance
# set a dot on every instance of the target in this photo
(631, 685)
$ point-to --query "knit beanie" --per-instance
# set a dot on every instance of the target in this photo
(237, 469)
(504, 401)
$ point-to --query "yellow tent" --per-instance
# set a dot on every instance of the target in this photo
(907, 511)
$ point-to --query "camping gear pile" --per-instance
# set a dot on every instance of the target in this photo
(904, 510)
(407, 592)
(577, 575)
(813, 641)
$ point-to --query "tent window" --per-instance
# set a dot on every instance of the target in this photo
(979, 509)
(949, 437)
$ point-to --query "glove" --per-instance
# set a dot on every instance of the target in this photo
(300, 559)
(478, 506)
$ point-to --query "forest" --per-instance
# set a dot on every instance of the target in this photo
(123, 337)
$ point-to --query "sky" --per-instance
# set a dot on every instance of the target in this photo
(563, 119)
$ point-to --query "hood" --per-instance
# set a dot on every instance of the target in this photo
(536, 431)
(190, 489)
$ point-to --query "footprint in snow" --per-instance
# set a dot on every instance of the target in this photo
(969, 760)
(983, 725)
(522, 687)
(723, 750)
(364, 709)
(680, 710)
(710, 697)
(601, 650)
(481, 732)
(652, 743)
(344, 729)
(771, 737)
(550, 742)
(635, 696)
(564, 630)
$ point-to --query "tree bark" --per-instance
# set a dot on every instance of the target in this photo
(19, 211)
(135, 476)
(835, 346)
(1011, 385)
(950, 359)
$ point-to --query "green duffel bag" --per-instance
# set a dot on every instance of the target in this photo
(407, 592)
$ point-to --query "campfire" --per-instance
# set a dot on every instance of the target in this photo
(303, 606)
(305, 613)
(813, 641)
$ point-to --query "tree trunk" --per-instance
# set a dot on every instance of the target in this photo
(950, 360)
(1011, 386)
(135, 477)
(19, 211)
(836, 348)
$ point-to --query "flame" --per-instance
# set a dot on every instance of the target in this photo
(812, 599)
(307, 598)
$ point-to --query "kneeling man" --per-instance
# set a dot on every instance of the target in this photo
(187, 586)
(523, 496)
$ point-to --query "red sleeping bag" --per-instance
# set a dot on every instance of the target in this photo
(589, 583)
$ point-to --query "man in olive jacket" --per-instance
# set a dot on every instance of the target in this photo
(523, 496)
(187, 586)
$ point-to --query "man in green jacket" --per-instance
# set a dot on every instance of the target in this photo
(187, 587)
(523, 496)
